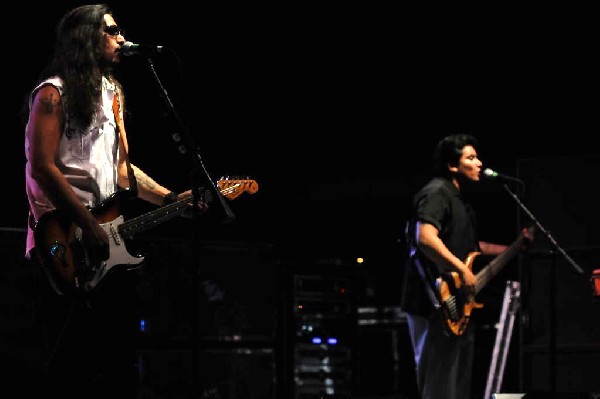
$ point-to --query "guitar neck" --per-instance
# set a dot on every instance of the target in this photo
(154, 218)
(231, 189)
(494, 267)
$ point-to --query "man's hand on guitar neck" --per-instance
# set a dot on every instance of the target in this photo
(528, 235)
(202, 202)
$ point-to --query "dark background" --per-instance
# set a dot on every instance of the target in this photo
(335, 111)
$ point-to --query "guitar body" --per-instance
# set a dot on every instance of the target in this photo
(61, 252)
(455, 305)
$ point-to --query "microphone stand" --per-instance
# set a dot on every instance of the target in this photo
(198, 175)
(556, 249)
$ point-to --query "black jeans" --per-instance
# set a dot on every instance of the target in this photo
(90, 339)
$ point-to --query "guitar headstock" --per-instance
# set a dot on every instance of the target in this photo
(232, 188)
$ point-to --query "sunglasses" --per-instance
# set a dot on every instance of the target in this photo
(113, 30)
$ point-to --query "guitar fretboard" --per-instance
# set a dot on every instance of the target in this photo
(494, 267)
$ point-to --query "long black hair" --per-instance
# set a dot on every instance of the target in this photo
(77, 59)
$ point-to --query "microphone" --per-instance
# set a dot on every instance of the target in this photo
(492, 174)
(129, 48)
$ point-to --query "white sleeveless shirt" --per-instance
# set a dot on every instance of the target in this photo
(87, 158)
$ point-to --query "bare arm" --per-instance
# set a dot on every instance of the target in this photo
(429, 242)
(44, 133)
(488, 248)
(147, 188)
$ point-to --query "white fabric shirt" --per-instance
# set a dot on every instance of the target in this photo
(88, 159)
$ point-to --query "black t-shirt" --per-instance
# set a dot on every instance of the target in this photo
(441, 204)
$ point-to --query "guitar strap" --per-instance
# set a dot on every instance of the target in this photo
(424, 272)
(123, 141)
(429, 281)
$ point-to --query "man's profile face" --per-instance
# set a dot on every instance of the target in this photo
(113, 38)
(469, 164)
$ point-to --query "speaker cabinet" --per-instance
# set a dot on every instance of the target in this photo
(561, 194)
(559, 315)
(167, 372)
(238, 292)
(230, 296)
(227, 373)
(238, 373)
(230, 292)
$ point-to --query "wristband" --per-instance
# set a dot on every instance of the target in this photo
(170, 198)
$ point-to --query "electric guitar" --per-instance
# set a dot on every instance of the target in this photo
(455, 304)
(60, 248)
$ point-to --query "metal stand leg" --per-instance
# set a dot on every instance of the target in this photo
(510, 307)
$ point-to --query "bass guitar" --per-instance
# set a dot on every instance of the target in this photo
(456, 305)
(61, 251)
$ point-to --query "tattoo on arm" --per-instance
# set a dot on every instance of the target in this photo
(49, 103)
(144, 180)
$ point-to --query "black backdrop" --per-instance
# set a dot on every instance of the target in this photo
(334, 110)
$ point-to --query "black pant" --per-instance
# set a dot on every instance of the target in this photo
(90, 339)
